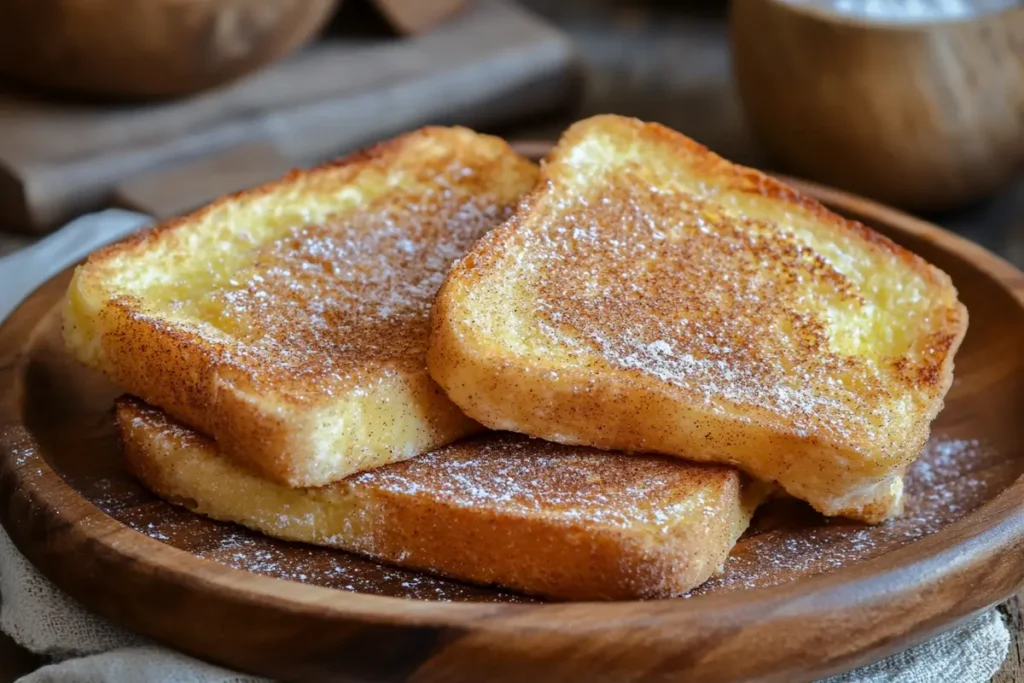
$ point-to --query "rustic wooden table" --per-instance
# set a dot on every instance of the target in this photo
(668, 62)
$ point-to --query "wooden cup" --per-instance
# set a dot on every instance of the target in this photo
(925, 116)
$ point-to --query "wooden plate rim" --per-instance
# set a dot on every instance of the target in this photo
(947, 560)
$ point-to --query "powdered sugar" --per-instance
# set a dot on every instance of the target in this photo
(729, 311)
(568, 483)
(329, 300)
(788, 541)
(293, 562)
(333, 302)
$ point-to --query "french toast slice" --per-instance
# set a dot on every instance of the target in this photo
(557, 521)
(290, 322)
(651, 296)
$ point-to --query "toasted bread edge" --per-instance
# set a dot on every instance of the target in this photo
(104, 328)
(537, 554)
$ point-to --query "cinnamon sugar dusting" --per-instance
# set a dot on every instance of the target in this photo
(729, 310)
(332, 301)
(515, 475)
(646, 525)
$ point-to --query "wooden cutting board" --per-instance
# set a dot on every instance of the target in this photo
(491, 63)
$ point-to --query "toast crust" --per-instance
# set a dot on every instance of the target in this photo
(290, 321)
(650, 296)
(550, 520)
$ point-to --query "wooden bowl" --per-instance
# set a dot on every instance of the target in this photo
(924, 116)
(800, 597)
(149, 48)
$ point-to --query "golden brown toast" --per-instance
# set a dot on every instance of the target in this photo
(551, 520)
(651, 296)
(290, 322)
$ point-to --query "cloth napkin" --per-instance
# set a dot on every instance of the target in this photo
(87, 649)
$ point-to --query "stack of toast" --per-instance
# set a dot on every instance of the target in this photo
(659, 338)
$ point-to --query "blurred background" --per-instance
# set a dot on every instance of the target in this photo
(162, 106)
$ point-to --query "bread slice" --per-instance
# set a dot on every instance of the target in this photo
(290, 322)
(556, 521)
(652, 296)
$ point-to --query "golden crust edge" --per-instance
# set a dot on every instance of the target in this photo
(554, 560)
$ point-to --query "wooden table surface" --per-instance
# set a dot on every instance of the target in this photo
(660, 62)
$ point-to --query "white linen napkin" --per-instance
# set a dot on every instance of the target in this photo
(88, 649)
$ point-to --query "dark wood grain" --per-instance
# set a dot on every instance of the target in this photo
(179, 578)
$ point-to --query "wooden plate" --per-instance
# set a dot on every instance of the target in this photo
(800, 598)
